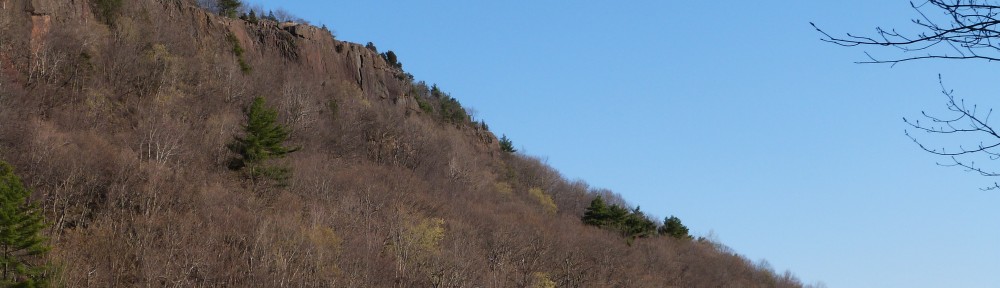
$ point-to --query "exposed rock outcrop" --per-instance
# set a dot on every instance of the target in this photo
(299, 44)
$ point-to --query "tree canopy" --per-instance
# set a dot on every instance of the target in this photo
(630, 223)
(673, 227)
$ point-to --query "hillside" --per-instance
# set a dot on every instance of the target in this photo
(118, 119)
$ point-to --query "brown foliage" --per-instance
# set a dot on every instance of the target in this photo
(121, 132)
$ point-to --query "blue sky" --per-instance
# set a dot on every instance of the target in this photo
(731, 115)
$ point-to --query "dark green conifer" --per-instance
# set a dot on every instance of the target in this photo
(229, 8)
(252, 17)
(597, 213)
(21, 241)
(638, 225)
(263, 140)
(673, 227)
(507, 146)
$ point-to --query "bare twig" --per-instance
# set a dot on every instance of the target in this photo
(968, 122)
(971, 31)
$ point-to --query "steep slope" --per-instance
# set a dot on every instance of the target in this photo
(118, 119)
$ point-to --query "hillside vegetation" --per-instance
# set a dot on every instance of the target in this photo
(132, 123)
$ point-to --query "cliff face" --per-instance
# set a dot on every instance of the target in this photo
(316, 49)
(118, 118)
(327, 60)
(298, 43)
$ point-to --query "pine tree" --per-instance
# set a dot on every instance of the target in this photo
(597, 213)
(252, 17)
(616, 218)
(673, 227)
(638, 225)
(630, 223)
(21, 224)
(435, 91)
(229, 8)
(390, 58)
(263, 140)
(508, 146)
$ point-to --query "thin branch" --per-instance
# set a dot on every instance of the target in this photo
(970, 33)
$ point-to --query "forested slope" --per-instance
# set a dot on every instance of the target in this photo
(120, 119)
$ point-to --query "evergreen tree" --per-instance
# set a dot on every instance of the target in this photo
(263, 140)
(597, 213)
(630, 223)
(390, 57)
(252, 17)
(435, 91)
(616, 218)
(21, 224)
(452, 111)
(638, 225)
(229, 8)
(507, 146)
(673, 227)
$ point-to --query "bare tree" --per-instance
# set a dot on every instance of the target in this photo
(956, 30)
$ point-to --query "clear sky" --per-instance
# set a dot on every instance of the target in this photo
(731, 115)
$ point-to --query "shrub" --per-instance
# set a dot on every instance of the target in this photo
(238, 52)
(544, 199)
(541, 280)
(504, 189)
(424, 106)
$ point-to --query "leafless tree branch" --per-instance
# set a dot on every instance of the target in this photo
(954, 30)
(970, 32)
(964, 122)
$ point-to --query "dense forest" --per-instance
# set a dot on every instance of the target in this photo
(166, 143)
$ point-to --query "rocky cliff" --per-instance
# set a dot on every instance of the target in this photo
(334, 62)
(299, 43)
(119, 119)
